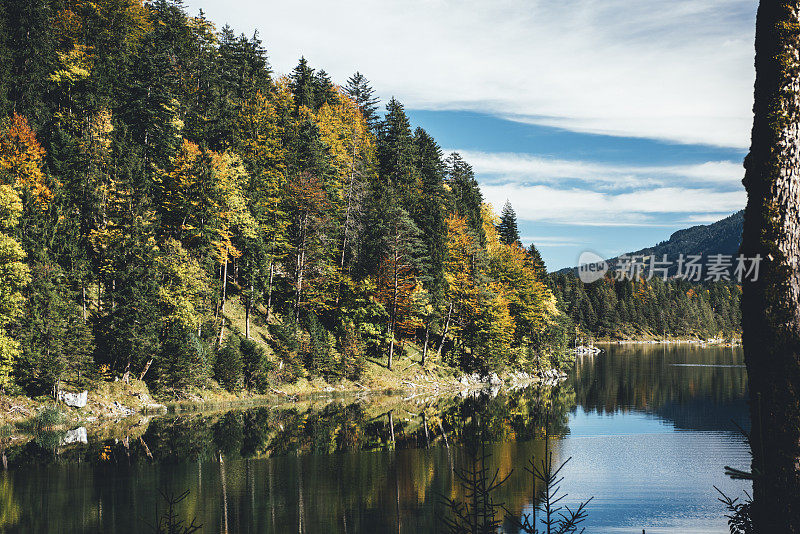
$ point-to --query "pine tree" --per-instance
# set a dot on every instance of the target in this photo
(395, 153)
(465, 194)
(56, 341)
(303, 85)
(538, 261)
(324, 90)
(229, 367)
(360, 91)
(507, 229)
(33, 58)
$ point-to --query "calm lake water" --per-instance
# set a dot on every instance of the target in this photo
(649, 430)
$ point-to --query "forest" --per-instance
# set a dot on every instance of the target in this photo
(627, 308)
(155, 173)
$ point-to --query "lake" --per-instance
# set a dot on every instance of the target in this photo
(649, 429)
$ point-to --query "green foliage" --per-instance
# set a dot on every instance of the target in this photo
(229, 367)
(360, 91)
(56, 340)
(152, 168)
(48, 417)
(184, 361)
(286, 345)
(621, 309)
(256, 366)
(507, 229)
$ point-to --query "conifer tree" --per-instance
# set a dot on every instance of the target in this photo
(360, 91)
(507, 228)
(56, 341)
(465, 195)
(303, 85)
(396, 155)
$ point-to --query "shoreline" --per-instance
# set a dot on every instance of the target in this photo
(679, 341)
(114, 404)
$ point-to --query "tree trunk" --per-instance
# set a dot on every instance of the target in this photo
(446, 326)
(269, 288)
(425, 345)
(391, 346)
(247, 313)
(225, 281)
(301, 265)
(771, 303)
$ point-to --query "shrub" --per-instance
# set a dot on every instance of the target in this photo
(286, 345)
(184, 361)
(256, 365)
(229, 367)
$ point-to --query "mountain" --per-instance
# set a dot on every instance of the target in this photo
(721, 237)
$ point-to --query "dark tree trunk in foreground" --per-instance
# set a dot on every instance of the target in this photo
(771, 304)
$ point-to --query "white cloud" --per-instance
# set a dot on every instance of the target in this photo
(495, 166)
(706, 218)
(678, 70)
(594, 208)
(552, 241)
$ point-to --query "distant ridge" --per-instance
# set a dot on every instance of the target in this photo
(721, 237)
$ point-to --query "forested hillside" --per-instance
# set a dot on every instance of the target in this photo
(155, 173)
(638, 308)
(635, 309)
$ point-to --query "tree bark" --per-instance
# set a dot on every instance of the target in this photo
(444, 332)
(269, 288)
(225, 281)
(248, 299)
(425, 345)
(771, 303)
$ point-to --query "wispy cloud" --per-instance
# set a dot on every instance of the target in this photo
(705, 218)
(596, 208)
(678, 70)
(494, 167)
(552, 241)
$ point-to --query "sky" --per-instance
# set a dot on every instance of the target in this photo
(608, 124)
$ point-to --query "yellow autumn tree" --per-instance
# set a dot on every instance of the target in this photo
(531, 304)
(351, 147)
(14, 275)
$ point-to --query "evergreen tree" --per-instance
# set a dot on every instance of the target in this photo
(397, 275)
(229, 367)
(395, 153)
(538, 261)
(465, 194)
(56, 341)
(305, 84)
(507, 229)
(360, 91)
(31, 41)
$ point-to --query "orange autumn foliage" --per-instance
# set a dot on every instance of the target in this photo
(21, 158)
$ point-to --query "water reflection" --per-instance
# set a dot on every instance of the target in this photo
(382, 464)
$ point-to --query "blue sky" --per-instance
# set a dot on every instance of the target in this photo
(608, 125)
